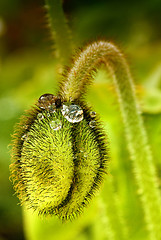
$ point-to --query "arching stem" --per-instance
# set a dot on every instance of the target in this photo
(74, 87)
(59, 30)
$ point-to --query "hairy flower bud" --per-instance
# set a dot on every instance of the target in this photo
(59, 157)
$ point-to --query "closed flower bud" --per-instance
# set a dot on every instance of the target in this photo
(59, 157)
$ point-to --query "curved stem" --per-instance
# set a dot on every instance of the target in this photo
(59, 29)
(75, 85)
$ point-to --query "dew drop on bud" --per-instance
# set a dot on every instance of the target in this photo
(48, 115)
(24, 137)
(73, 113)
(40, 116)
(55, 125)
(49, 102)
(92, 124)
(92, 114)
(45, 100)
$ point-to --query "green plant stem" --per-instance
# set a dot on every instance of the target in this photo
(79, 78)
(104, 223)
(59, 29)
(115, 225)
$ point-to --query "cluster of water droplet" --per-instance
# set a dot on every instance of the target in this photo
(25, 134)
(92, 123)
(73, 113)
(50, 103)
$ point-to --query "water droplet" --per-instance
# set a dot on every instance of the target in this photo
(40, 116)
(92, 114)
(48, 115)
(24, 137)
(85, 155)
(56, 125)
(92, 124)
(73, 113)
(49, 102)
(44, 100)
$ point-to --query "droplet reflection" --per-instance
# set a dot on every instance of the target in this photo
(55, 125)
(24, 137)
(92, 124)
(92, 114)
(40, 116)
(73, 113)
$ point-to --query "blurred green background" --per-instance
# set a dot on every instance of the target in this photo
(28, 68)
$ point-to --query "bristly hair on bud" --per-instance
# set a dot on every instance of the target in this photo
(59, 157)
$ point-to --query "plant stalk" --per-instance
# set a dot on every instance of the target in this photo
(78, 80)
(115, 226)
(59, 30)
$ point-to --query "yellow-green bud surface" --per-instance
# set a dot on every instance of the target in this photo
(59, 158)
